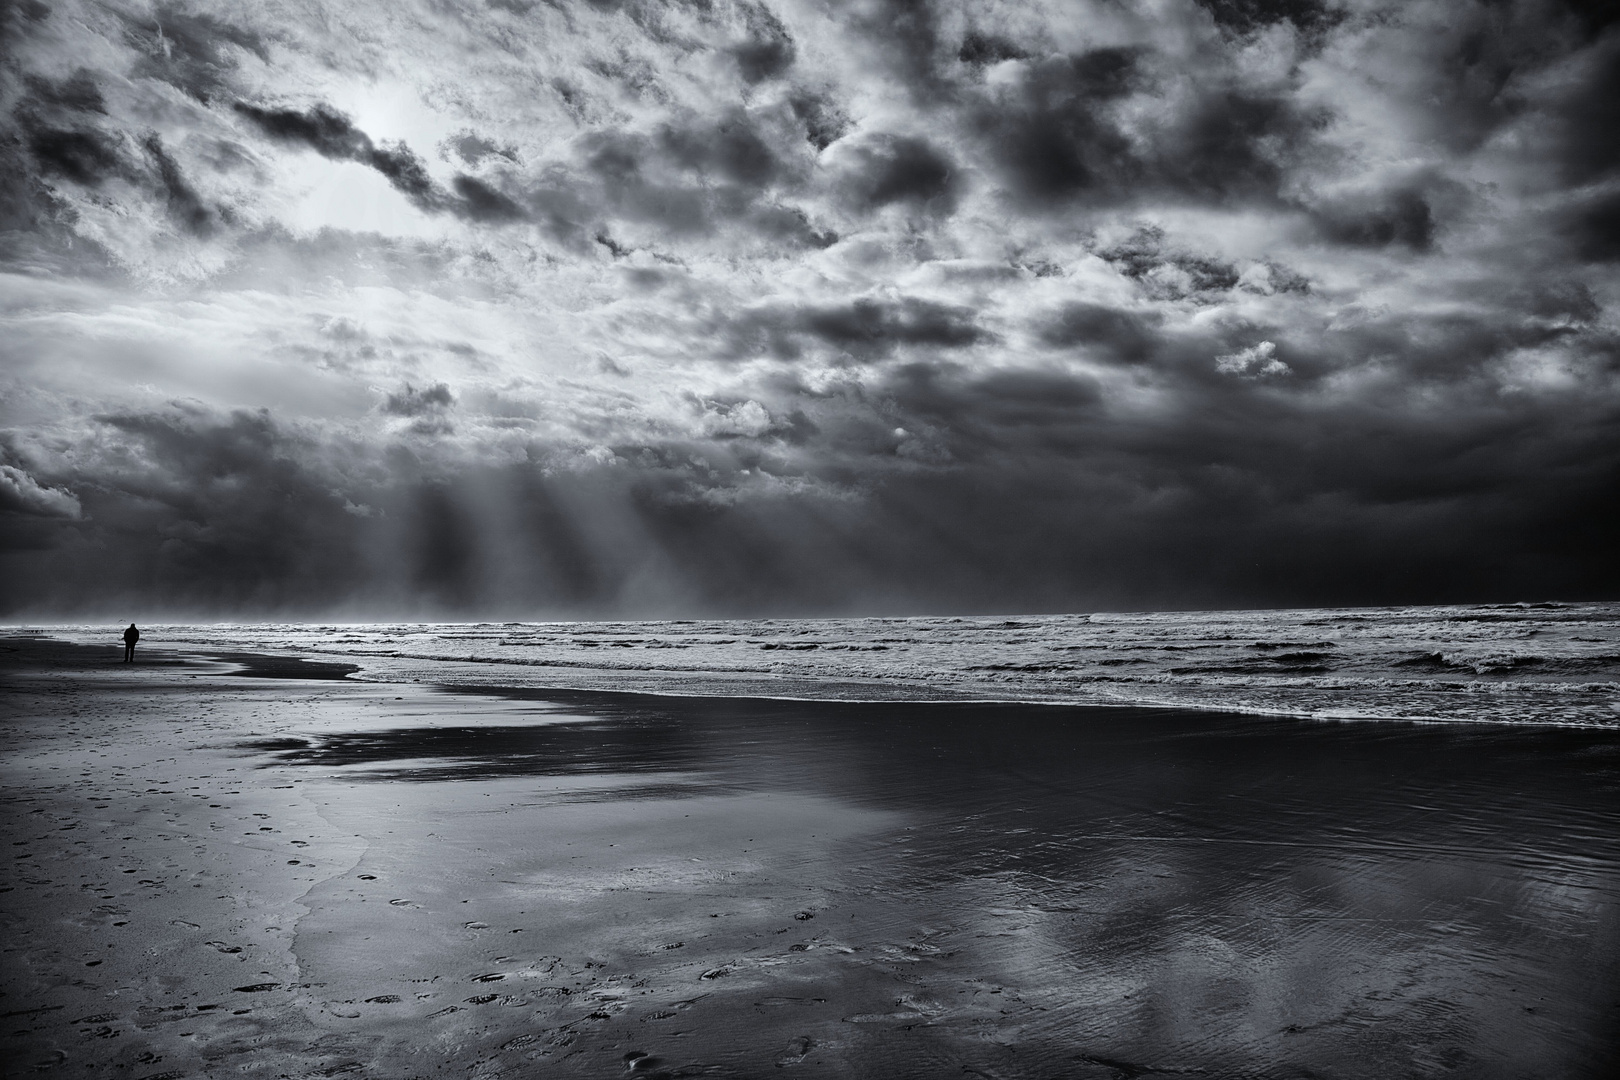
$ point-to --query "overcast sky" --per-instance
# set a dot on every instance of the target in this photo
(515, 308)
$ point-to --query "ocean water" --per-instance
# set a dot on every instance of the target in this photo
(1499, 663)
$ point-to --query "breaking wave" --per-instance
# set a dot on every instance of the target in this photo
(1529, 663)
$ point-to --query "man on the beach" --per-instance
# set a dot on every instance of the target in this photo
(131, 636)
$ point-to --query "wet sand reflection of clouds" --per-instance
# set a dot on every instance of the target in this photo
(466, 753)
(1163, 890)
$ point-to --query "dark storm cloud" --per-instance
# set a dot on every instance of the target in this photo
(979, 49)
(973, 416)
(863, 329)
(885, 169)
(730, 149)
(1592, 226)
(333, 135)
(1210, 504)
(1247, 16)
(84, 157)
(1118, 336)
(614, 248)
(1594, 16)
(884, 305)
(1233, 492)
(1233, 144)
(790, 225)
(20, 493)
(616, 161)
(869, 328)
(1402, 216)
(769, 50)
(322, 129)
(824, 122)
(1049, 135)
(213, 511)
(1589, 113)
(687, 179)
(413, 402)
(57, 120)
(16, 18)
(1145, 257)
(1059, 134)
(193, 52)
(184, 203)
(912, 38)
(472, 148)
(407, 173)
(77, 92)
(480, 202)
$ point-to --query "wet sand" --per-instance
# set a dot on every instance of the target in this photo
(213, 873)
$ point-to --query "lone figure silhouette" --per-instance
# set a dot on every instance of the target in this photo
(131, 636)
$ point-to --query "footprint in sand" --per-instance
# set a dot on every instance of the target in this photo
(677, 1007)
(222, 947)
(383, 999)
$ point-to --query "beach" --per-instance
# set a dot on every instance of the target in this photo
(238, 866)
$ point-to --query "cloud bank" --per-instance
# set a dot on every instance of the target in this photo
(636, 308)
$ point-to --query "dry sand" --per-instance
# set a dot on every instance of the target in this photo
(219, 874)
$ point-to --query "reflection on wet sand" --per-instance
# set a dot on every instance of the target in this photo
(915, 890)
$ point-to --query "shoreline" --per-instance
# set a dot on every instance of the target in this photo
(292, 663)
(1429, 665)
